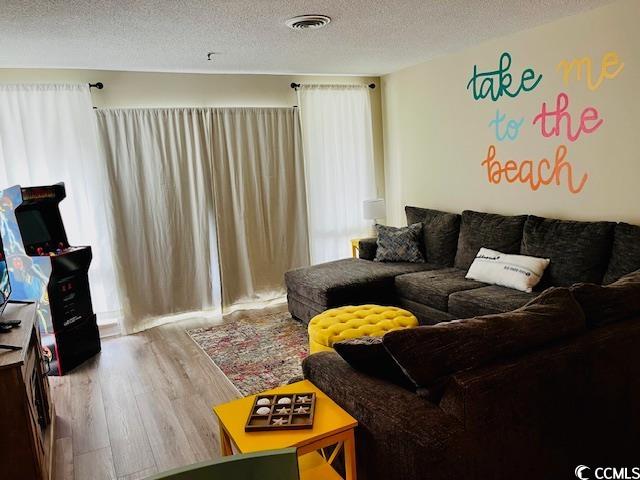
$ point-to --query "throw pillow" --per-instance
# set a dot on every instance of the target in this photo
(429, 354)
(512, 271)
(612, 303)
(399, 244)
(368, 355)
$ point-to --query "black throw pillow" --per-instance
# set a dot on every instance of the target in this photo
(368, 355)
(399, 244)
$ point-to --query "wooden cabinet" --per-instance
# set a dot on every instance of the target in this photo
(26, 411)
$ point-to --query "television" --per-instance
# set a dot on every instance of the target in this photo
(5, 286)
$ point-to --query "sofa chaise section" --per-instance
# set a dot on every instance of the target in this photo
(351, 281)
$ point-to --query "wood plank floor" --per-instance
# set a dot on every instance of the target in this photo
(142, 406)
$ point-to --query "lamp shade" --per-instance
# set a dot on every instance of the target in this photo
(374, 209)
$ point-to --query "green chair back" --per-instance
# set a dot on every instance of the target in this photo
(268, 465)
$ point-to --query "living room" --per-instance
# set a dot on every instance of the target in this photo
(319, 240)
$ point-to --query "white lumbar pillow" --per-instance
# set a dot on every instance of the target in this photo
(512, 271)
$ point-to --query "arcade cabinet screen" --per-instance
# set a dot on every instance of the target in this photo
(5, 287)
(33, 227)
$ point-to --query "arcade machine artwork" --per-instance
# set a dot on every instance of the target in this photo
(45, 269)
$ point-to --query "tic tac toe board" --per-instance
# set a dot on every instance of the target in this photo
(291, 411)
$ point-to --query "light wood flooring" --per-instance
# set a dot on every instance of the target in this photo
(142, 406)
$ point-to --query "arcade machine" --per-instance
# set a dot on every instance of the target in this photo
(44, 268)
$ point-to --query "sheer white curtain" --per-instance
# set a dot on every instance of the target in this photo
(338, 149)
(48, 135)
(164, 230)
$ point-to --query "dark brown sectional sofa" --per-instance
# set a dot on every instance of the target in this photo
(530, 387)
(437, 291)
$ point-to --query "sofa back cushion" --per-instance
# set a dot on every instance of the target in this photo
(430, 353)
(611, 303)
(579, 251)
(625, 255)
(439, 234)
(488, 230)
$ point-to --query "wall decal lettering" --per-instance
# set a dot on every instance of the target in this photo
(496, 83)
(553, 121)
(590, 120)
(584, 66)
(512, 129)
(534, 175)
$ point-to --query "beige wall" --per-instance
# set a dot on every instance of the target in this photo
(141, 89)
(436, 135)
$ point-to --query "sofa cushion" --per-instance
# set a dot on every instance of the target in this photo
(579, 251)
(351, 280)
(433, 287)
(367, 248)
(611, 303)
(368, 355)
(425, 314)
(439, 234)
(488, 230)
(625, 254)
(428, 354)
(487, 300)
(399, 244)
(302, 308)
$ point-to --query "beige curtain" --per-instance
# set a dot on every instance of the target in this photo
(189, 186)
(260, 203)
(162, 226)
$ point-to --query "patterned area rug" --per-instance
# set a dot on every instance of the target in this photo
(256, 354)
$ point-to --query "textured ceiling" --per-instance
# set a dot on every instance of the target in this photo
(369, 37)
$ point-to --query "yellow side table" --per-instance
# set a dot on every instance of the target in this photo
(355, 247)
(331, 426)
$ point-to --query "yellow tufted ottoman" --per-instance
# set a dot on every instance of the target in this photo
(342, 323)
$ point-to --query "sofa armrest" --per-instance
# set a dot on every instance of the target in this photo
(367, 248)
(399, 434)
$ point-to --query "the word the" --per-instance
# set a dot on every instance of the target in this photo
(551, 120)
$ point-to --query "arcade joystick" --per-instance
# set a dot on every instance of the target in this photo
(40, 251)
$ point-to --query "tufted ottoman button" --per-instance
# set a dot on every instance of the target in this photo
(347, 322)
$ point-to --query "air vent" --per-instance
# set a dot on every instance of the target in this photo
(304, 22)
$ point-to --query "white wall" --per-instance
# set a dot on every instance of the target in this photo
(436, 135)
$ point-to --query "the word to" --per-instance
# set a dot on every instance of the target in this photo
(610, 67)
(512, 129)
(499, 82)
(551, 120)
(532, 174)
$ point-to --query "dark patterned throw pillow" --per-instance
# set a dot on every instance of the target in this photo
(399, 244)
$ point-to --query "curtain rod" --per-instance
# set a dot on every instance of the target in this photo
(98, 85)
(295, 86)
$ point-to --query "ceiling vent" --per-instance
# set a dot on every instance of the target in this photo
(304, 22)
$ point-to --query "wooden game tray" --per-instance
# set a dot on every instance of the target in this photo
(287, 416)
